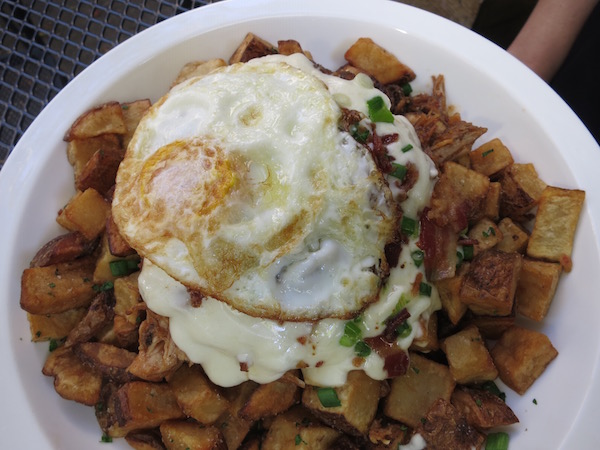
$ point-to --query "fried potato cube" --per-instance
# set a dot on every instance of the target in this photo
(444, 427)
(289, 47)
(182, 435)
(490, 207)
(63, 248)
(487, 234)
(388, 434)
(198, 397)
(58, 288)
(482, 409)
(142, 405)
(428, 338)
(298, 428)
(44, 327)
(492, 327)
(100, 171)
(521, 190)
(378, 62)
(449, 292)
(198, 68)
(86, 212)
(234, 427)
(491, 282)
(132, 114)
(73, 380)
(127, 298)
(117, 245)
(359, 398)
(110, 361)
(457, 196)
(536, 288)
(271, 399)
(80, 151)
(103, 271)
(555, 223)
(145, 440)
(411, 395)
(468, 357)
(490, 157)
(521, 356)
(103, 119)
(252, 47)
(98, 316)
(514, 238)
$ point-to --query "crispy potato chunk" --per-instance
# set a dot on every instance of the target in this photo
(490, 207)
(536, 288)
(58, 287)
(86, 212)
(490, 284)
(63, 248)
(521, 190)
(487, 234)
(555, 223)
(98, 316)
(110, 361)
(100, 171)
(145, 440)
(378, 62)
(449, 292)
(359, 398)
(182, 435)
(514, 238)
(44, 327)
(132, 114)
(103, 119)
(198, 68)
(234, 427)
(197, 396)
(142, 405)
(468, 357)
(298, 428)
(490, 158)
(73, 379)
(412, 394)
(491, 327)
(117, 245)
(482, 409)
(444, 427)
(103, 271)
(289, 47)
(521, 356)
(252, 47)
(271, 399)
(80, 151)
(388, 434)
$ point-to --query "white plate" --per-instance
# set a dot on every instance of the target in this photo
(489, 87)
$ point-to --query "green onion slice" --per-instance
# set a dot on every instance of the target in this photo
(352, 334)
(467, 252)
(409, 226)
(425, 289)
(362, 349)
(497, 441)
(407, 148)
(418, 256)
(407, 89)
(378, 111)
(122, 267)
(404, 329)
(399, 171)
(328, 397)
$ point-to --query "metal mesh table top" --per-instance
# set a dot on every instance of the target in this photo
(44, 44)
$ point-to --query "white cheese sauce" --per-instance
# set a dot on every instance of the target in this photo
(234, 347)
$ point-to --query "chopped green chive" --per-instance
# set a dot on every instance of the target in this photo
(407, 148)
(328, 397)
(425, 289)
(399, 171)
(535, 401)
(359, 133)
(409, 226)
(404, 329)
(492, 388)
(497, 441)
(460, 257)
(362, 349)
(490, 232)
(487, 152)
(407, 89)
(418, 256)
(298, 440)
(122, 267)
(378, 111)
(53, 345)
(352, 334)
(106, 438)
(467, 252)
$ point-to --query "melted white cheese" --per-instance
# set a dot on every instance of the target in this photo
(223, 340)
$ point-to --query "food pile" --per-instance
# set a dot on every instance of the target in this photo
(386, 278)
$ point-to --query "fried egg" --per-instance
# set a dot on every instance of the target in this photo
(240, 184)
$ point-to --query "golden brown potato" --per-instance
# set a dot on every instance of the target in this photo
(110, 361)
(73, 379)
(486, 233)
(491, 327)
(199, 398)
(514, 237)
(490, 284)
(359, 399)
(63, 248)
(182, 435)
(289, 47)
(117, 245)
(104, 272)
(412, 394)
(86, 212)
(537, 284)
(482, 409)
(555, 223)
(521, 190)
(234, 427)
(98, 316)
(100, 171)
(80, 151)
(252, 47)
(468, 357)
(271, 399)
(58, 287)
(521, 356)
(490, 158)
(145, 440)
(103, 119)
(44, 327)
(449, 292)
(378, 62)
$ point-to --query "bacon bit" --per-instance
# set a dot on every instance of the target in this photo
(244, 367)
(392, 323)
(388, 139)
(319, 363)
(416, 286)
(439, 248)
(357, 361)
(395, 359)
(302, 340)
(196, 298)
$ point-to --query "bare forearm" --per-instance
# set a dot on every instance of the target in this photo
(547, 36)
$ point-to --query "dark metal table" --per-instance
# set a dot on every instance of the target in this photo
(44, 44)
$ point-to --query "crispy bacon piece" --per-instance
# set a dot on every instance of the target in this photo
(395, 359)
(439, 248)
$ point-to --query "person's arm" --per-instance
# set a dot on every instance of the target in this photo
(546, 38)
